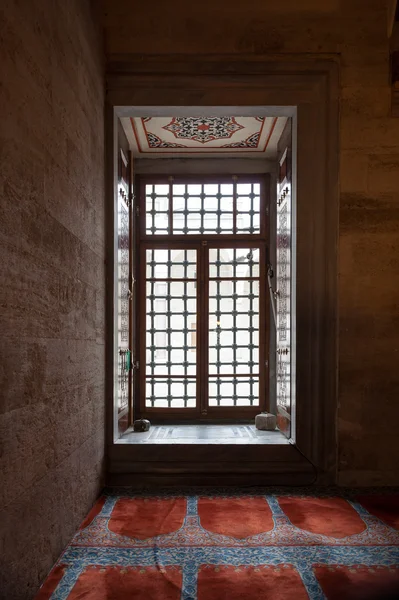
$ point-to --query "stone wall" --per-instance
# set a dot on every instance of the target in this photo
(356, 30)
(52, 282)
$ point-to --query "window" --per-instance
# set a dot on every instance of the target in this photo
(202, 297)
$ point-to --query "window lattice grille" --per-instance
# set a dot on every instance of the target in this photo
(202, 208)
(171, 328)
(203, 293)
(123, 303)
(233, 327)
(157, 209)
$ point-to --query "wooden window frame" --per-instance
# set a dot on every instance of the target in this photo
(202, 243)
(306, 89)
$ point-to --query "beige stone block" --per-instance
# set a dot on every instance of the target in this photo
(353, 171)
(366, 75)
(117, 11)
(368, 343)
(68, 113)
(79, 170)
(39, 300)
(212, 30)
(369, 293)
(362, 454)
(80, 214)
(366, 215)
(383, 173)
(364, 66)
(369, 134)
(266, 421)
(47, 239)
(27, 449)
(22, 172)
(358, 478)
(384, 203)
(326, 27)
(366, 101)
(28, 50)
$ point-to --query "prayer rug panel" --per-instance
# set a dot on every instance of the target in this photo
(147, 517)
(264, 543)
(385, 508)
(333, 517)
(119, 583)
(358, 582)
(235, 517)
(281, 582)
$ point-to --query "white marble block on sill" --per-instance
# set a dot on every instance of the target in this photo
(265, 421)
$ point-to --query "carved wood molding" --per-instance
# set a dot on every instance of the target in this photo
(208, 464)
(218, 63)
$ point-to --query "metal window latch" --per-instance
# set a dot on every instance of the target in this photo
(283, 195)
(129, 295)
(136, 364)
(284, 351)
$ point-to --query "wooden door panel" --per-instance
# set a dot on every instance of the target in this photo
(169, 325)
(124, 308)
(235, 328)
(283, 283)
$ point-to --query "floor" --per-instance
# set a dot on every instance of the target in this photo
(203, 434)
(214, 544)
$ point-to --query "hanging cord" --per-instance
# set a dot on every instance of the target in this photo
(315, 472)
(273, 294)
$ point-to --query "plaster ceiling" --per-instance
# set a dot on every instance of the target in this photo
(155, 137)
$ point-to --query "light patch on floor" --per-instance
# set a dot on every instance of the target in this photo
(203, 434)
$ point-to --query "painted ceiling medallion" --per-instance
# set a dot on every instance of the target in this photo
(203, 136)
(155, 142)
(203, 129)
(250, 142)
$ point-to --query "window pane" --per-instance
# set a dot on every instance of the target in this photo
(248, 207)
(171, 264)
(170, 393)
(233, 262)
(233, 327)
(202, 208)
(171, 316)
(234, 391)
(157, 209)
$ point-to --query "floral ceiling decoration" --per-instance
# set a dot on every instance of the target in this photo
(179, 136)
(203, 129)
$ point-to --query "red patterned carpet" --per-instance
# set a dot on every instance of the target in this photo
(220, 545)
